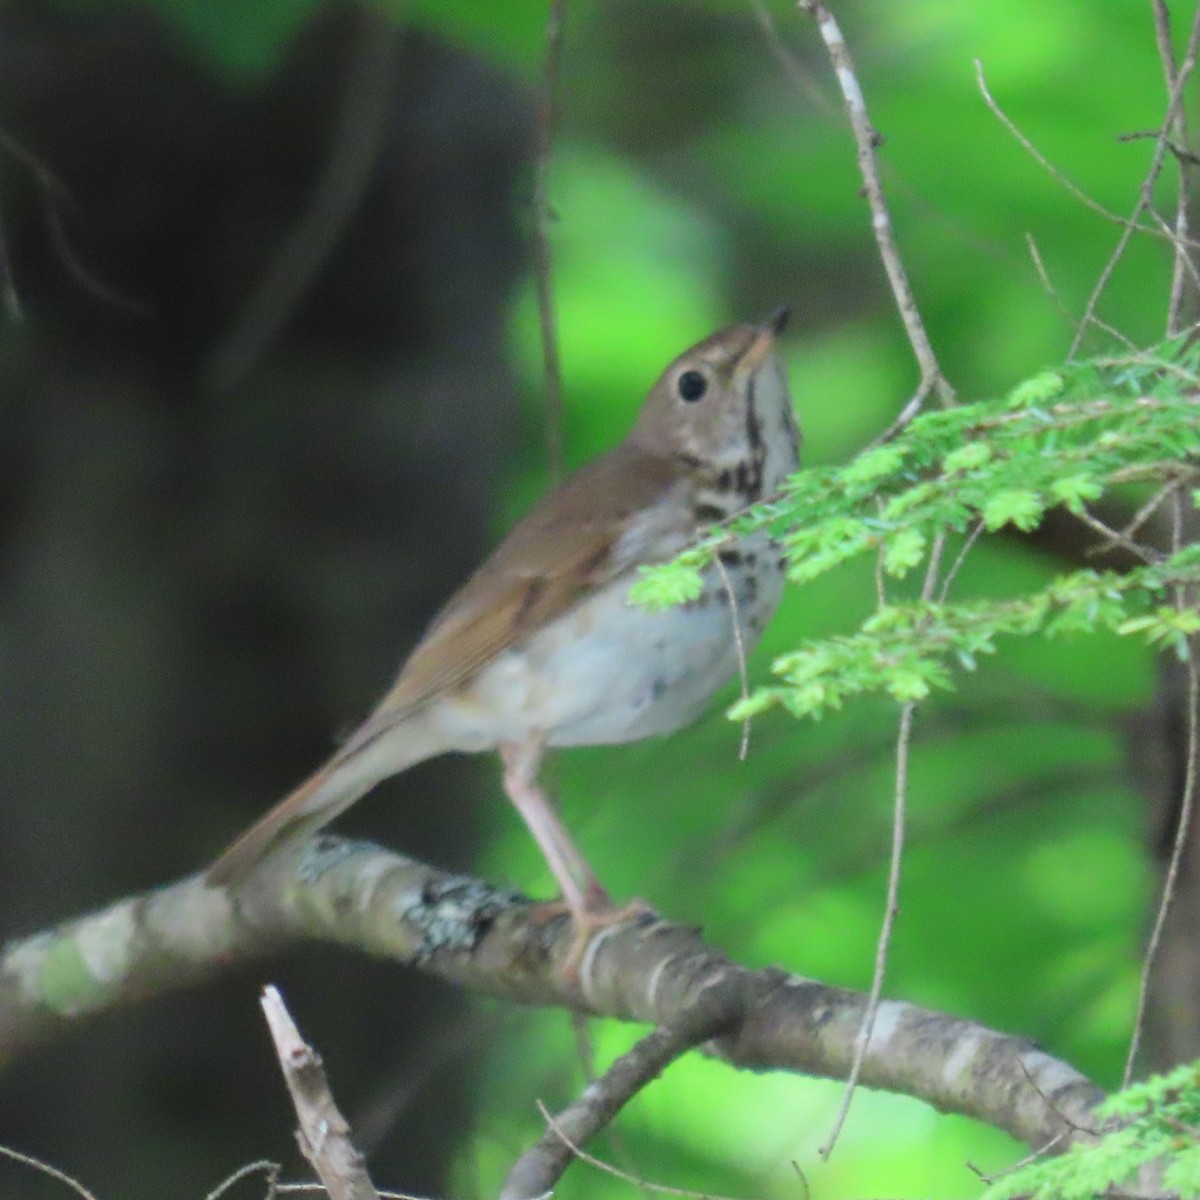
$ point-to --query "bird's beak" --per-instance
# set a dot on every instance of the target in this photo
(764, 341)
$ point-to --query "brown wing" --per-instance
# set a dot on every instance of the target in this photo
(558, 553)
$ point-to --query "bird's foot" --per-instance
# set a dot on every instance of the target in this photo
(598, 913)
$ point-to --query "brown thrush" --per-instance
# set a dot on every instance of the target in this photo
(541, 646)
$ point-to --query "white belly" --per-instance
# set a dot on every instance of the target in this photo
(608, 672)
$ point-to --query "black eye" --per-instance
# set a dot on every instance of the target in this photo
(691, 385)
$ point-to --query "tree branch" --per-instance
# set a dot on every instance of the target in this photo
(867, 141)
(323, 1134)
(537, 1171)
(497, 942)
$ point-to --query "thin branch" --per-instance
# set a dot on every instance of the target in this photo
(587, 1060)
(1182, 265)
(1047, 283)
(1040, 267)
(1146, 192)
(1024, 1161)
(542, 218)
(345, 175)
(1151, 506)
(891, 908)
(28, 1160)
(323, 1135)
(299, 1189)
(1055, 172)
(1113, 537)
(1180, 241)
(867, 140)
(1182, 830)
(960, 558)
(789, 61)
(1177, 151)
(538, 1170)
(1069, 1122)
(739, 642)
(662, 1189)
(895, 867)
(907, 414)
(55, 195)
(269, 1169)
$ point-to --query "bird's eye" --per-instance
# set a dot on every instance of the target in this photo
(691, 386)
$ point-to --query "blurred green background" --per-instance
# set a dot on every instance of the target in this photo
(696, 180)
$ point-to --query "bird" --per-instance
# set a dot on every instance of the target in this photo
(541, 647)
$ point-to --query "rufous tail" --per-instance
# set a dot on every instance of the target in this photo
(350, 774)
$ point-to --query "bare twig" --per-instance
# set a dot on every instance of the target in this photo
(1024, 1161)
(539, 1169)
(788, 60)
(1044, 276)
(28, 1160)
(880, 562)
(895, 866)
(542, 218)
(960, 558)
(866, 140)
(1182, 829)
(300, 1189)
(662, 1189)
(1056, 173)
(55, 196)
(739, 642)
(323, 1135)
(1129, 226)
(1183, 265)
(1149, 135)
(1040, 267)
(346, 173)
(1151, 506)
(910, 411)
(891, 908)
(268, 1168)
(1146, 191)
(1113, 537)
(1070, 1124)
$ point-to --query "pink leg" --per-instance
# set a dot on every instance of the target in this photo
(580, 888)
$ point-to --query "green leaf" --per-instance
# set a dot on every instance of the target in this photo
(967, 458)
(1037, 390)
(665, 586)
(903, 551)
(1076, 490)
(1023, 509)
(872, 465)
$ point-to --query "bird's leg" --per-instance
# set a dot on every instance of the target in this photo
(585, 899)
(581, 890)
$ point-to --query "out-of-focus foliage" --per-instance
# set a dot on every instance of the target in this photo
(1157, 1127)
(696, 180)
(1061, 439)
